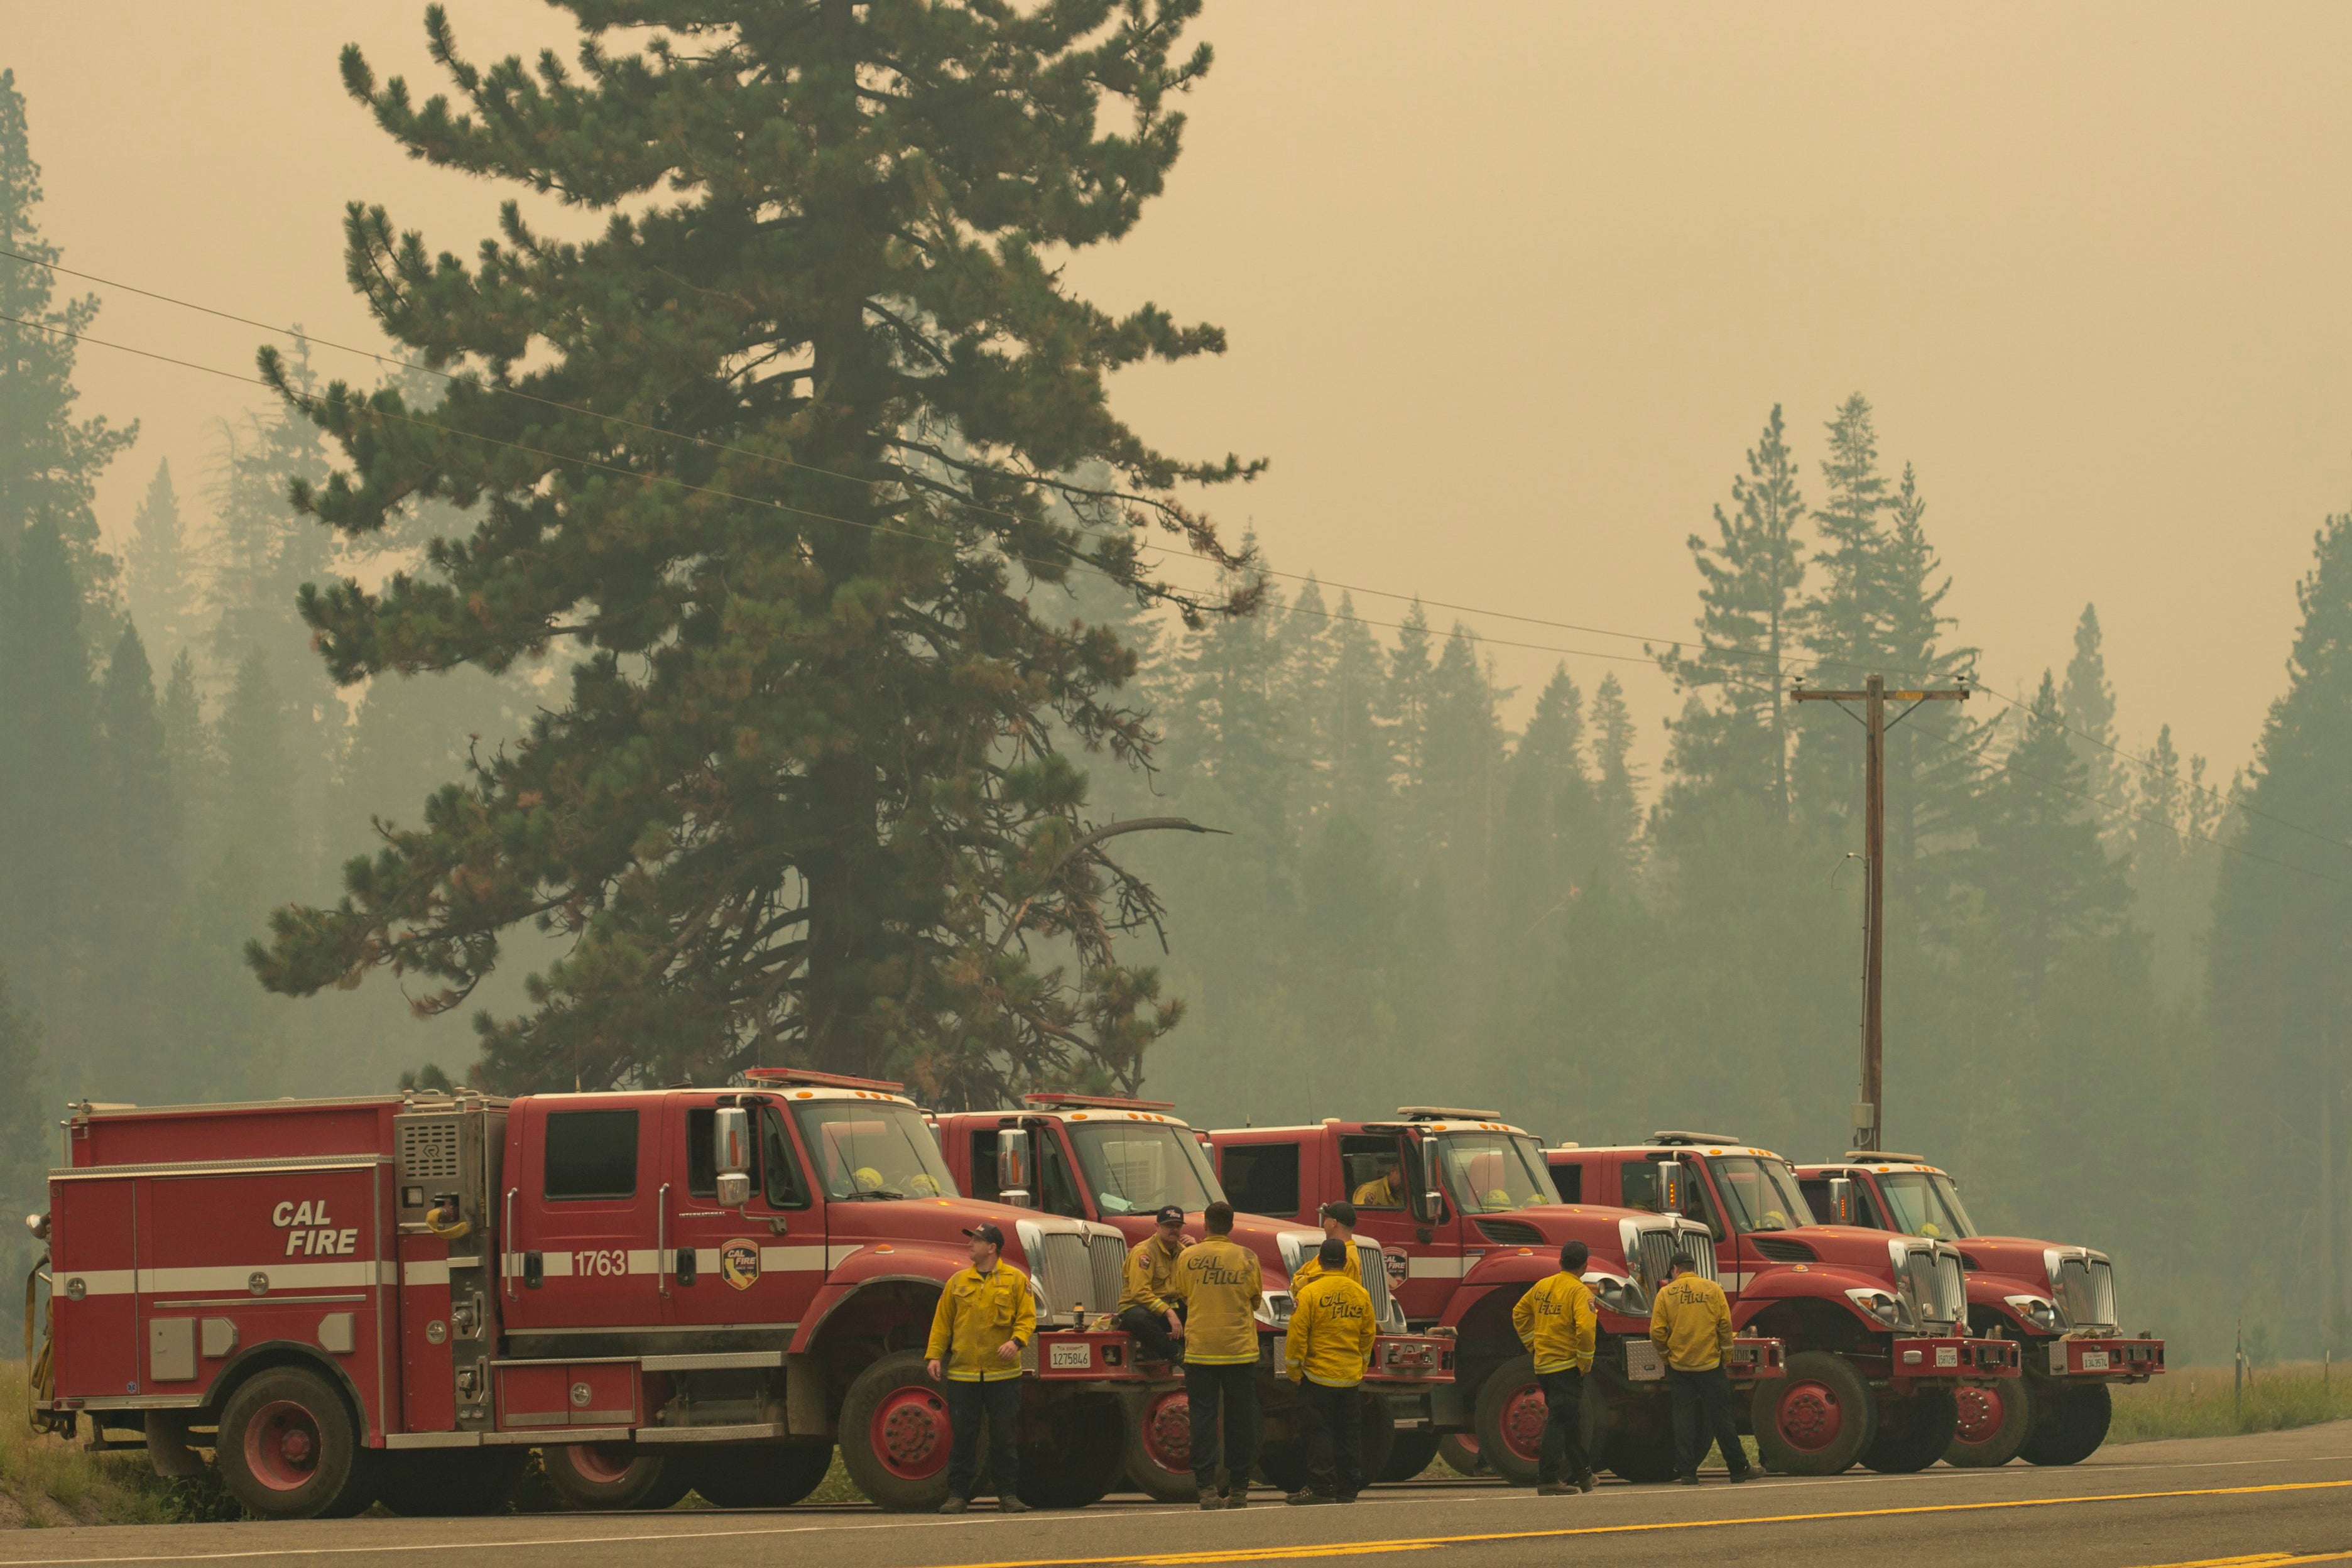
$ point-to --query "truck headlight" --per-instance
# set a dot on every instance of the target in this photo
(1879, 1305)
(2043, 1314)
(1618, 1294)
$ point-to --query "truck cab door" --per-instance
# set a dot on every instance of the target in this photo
(1384, 1174)
(578, 1216)
(757, 1266)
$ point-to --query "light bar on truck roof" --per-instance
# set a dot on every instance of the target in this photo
(1686, 1140)
(1883, 1157)
(1445, 1113)
(800, 1078)
(1054, 1100)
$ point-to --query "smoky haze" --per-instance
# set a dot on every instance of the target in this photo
(1512, 293)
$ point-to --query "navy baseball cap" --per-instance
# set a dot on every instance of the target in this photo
(986, 1232)
(1170, 1214)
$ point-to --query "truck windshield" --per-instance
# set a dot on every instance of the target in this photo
(866, 1150)
(1489, 1172)
(1134, 1167)
(1924, 1204)
(1759, 1194)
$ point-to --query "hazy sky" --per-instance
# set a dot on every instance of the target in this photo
(1510, 288)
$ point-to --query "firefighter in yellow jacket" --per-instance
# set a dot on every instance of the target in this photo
(1691, 1325)
(1217, 1280)
(1557, 1323)
(1328, 1343)
(984, 1316)
(1338, 1217)
(1144, 1309)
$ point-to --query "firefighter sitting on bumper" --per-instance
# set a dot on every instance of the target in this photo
(1557, 1323)
(1329, 1346)
(1691, 1325)
(1217, 1281)
(1144, 1309)
(985, 1315)
(1338, 1217)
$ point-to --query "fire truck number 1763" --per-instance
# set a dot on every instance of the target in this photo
(309, 1230)
(607, 1261)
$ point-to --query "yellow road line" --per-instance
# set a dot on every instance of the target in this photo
(1425, 1543)
(2257, 1560)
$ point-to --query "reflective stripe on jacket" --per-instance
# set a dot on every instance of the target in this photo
(1330, 1335)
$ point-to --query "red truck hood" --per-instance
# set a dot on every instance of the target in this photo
(1843, 1250)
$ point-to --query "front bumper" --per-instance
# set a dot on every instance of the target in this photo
(1091, 1355)
(1753, 1360)
(1954, 1358)
(2105, 1360)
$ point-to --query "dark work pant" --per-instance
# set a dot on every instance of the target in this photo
(1150, 1330)
(1562, 1456)
(1332, 1425)
(1708, 1394)
(1222, 1403)
(999, 1404)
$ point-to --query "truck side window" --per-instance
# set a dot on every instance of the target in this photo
(1569, 1177)
(1817, 1195)
(1373, 1171)
(1057, 1190)
(1262, 1178)
(785, 1187)
(1638, 1182)
(591, 1154)
(983, 1166)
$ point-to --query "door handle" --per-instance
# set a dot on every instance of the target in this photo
(661, 1237)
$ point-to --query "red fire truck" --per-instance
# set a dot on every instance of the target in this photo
(1876, 1326)
(2059, 1302)
(1467, 1219)
(1116, 1162)
(397, 1297)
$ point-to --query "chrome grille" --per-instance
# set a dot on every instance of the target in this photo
(1376, 1282)
(1656, 1242)
(1063, 1271)
(2084, 1285)
(1934, 1289)
(1107, 1256)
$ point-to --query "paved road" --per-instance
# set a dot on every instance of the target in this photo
(2263, 1501)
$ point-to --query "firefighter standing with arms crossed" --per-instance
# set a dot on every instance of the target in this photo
(1217, 1281)
(1329, 1346)
(1144, 1308)
(1691, 1325)
(1557, 1323)
(984, 1316)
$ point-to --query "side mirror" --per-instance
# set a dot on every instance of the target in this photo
(731, 1155)
(1012, 1168)
(1672, 1198)
(1843, 1209)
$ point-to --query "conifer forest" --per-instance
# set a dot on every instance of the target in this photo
(745, 631)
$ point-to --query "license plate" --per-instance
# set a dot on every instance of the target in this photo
(2094, 1361)
(1072, 1357)
(1641, 1362)
(1947, 1356)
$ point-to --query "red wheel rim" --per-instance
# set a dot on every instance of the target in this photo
(1524, 1415)
(1167, 1432)
(1809, 1416)
(1467, 1441)
(281, 1446)
(600, 1464)
(909, 1433)
(1981, 1413)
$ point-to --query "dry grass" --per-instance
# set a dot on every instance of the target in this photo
(2199, 1402)
(47, 1480)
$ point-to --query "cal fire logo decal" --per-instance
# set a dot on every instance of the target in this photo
(1397, 1264)
(309, 1230)
(739, 1263)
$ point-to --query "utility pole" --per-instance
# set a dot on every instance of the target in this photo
(1869, 1122)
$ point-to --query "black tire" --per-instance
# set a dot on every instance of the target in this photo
(450, 1483)
(1817, 1420)
(1995, 1420)
(1281, 1464)
(1511, 1416)
(1158, 1449)
(288, 1447)
(1913, 1433)
(1643, 1450)
(2071, 1426)
(1409, 1452)
(606, 1476)
(1377, 1436)
(764, 1475)
(1083, 1455)
(894, 1435)
(1460, 1452)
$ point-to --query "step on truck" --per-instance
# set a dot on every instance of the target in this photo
(1116, 1162)
(399, 1297)
(2058, 1302)
(1877, 1327)
(1467, 1219)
